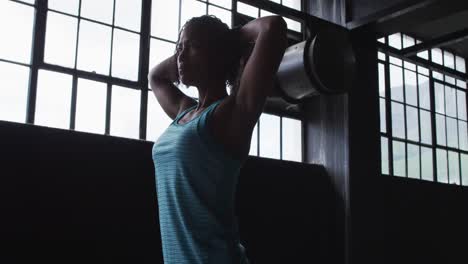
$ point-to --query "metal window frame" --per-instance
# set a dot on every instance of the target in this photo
(431, 66)
(38, 49)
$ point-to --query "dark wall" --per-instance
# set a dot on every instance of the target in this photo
(74, 197)
(425, 222)
(358, 9)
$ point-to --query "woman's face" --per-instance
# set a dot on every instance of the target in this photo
(196, 60)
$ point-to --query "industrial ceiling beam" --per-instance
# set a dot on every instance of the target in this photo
(448, 39)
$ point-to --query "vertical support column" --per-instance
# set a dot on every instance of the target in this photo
(366, 191)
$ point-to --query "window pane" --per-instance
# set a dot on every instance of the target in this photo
(53, 99)
(159, 51)
(269, 136)
(409, 66)
(395, 61)
(295, 4)
(69, 6)
(254, 142)
(437, 75)
(449, 60)
(94, 47)
(449, 79)
(423, 54)
(383, 124)
(223, 3)
(423, 70)
(424, 95)
(395, 40)
(91, 106)
(98, 10)
(247, 10)
(381, 80)
(461, 105)
(128, 14)
(413, 161)
(426, 162)
(464, 169)
(411, 88)
(60, 40)
(28, 1)
(220, 13)
(460, 64)
(412, 123)
(384, 155)
(157, 119)
(454, 168)
(452, 137)
(461, 84)
(442, 166)
(440, 130)
(292, 138)
(125, 112)
(408, 41)
(165, 19)
(191, 8)
(381, 40)
(463, 135)
(125, 55)
(396, 83)
(426, 127)
(439, 98)
(450, 101)
(398, 120)
(293, 24)
(14, 81)
(437, 55)
(16, 29)
(399, 159)
(381, 56)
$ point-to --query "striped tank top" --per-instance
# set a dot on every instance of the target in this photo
(195, 185)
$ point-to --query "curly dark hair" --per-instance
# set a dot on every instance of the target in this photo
(225, 38)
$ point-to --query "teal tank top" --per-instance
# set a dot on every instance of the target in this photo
(195, 185)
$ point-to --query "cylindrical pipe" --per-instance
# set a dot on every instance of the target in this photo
(324, 64)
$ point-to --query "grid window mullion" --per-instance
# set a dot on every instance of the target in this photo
(281, 136)
(37, 58)
(143, 69)
(108, 107)
(433, 120)
(405, 112)
(388, 112)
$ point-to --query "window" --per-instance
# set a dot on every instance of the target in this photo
(91, 106)
(93, 75)
(13, 101)
(16, 22)
(423, 120)
(270, 129)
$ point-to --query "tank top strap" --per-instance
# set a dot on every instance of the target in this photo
(182, 114)
(204, 118)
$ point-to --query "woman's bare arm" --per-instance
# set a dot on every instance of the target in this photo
(259, 74)
(161, 79)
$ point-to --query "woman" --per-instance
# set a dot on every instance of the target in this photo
(198, 157)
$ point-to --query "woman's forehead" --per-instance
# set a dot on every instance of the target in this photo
(194, 34)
